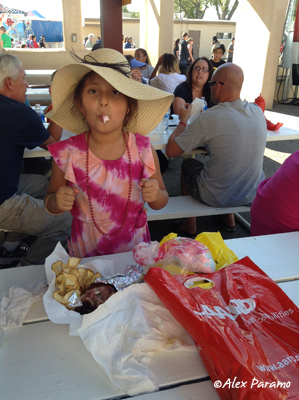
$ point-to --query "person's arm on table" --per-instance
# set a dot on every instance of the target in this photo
(172, 148)
(178, 103)
(55, 132)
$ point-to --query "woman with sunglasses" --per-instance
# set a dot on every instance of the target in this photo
(196, 85)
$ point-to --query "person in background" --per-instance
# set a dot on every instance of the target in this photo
(129, 43)
(230, 51)
(235, 168)
(190, 48)
(176, 49)
(214, 40)
(5, 39)
(98, 44)
(106, 172)
(135, 69)
(85, 40)
(196, 85)
(136, 76)
(23, 46)
(275, 208)
(34, 43)
(218, 51)
(28, 41)
(22, 210)
(90, 41)
(169, 76)
(42, 43)
(142, 56)
(185, 59)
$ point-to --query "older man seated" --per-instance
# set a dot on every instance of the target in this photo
(234, 133)
(22, 210)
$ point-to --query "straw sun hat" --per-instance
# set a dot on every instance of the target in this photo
(152, 103)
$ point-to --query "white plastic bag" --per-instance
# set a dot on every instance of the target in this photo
(126, 331)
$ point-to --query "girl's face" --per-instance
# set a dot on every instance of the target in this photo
(140, 56)
(217, 54)
(198, 75)
(101, 100)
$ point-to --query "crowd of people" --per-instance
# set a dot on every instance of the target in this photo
(111, 110)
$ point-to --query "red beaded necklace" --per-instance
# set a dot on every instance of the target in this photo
(88, 187)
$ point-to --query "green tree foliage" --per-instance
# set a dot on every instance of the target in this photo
(225, 8)
(134, 14)
(194, 9)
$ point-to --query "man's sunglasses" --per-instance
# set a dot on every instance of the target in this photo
(212, 83)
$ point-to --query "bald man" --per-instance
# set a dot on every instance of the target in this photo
(234, 133)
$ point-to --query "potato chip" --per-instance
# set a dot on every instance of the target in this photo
(92, 279)
(57, 267)
(74, 262)
(82, 277)
(64, 299)
(73, 271)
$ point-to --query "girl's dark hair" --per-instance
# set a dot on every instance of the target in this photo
(132, 103)
(206, 92)
(218, 45)
(176, 42)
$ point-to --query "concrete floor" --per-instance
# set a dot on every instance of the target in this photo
(275, 154)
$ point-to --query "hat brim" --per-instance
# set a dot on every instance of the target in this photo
(152, 103)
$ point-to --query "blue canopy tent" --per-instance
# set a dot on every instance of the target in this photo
(41, 26)
(51, 29)
(22, 23)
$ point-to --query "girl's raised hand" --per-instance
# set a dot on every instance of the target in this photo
(65, 197)
(150, 190)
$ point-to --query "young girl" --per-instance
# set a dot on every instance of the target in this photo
(105, 174)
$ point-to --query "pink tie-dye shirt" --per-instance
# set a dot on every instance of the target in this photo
(109, 182)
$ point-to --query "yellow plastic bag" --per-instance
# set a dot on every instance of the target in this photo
(222, 255)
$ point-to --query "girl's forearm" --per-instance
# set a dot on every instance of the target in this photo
(161, 201)
(50, 205)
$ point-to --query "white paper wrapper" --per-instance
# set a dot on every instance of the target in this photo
(197, 107)
(56, 312)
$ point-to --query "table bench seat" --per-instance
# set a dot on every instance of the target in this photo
(186, 206)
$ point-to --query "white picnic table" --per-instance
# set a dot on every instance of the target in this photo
(40, 360)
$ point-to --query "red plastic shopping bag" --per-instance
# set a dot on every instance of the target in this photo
(246, 328)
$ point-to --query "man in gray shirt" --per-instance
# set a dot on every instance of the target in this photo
(234, 133)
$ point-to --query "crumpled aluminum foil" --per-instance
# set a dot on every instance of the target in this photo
(132, 274)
